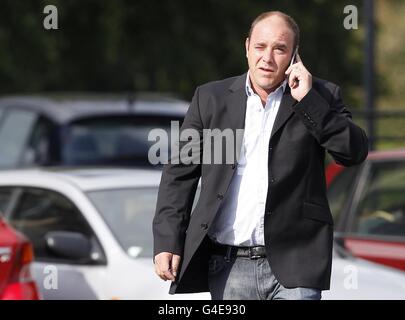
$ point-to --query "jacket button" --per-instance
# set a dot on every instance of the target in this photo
(268, 213)
(272, 180)
(220, 196)
(204, 226)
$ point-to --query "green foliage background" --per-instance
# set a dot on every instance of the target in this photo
(175, 45)
(123, 45)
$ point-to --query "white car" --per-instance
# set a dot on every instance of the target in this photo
(92, 235)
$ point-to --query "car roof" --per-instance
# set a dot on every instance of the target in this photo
(387, 154)
(86, 179)
(380, 155)
(66, 107)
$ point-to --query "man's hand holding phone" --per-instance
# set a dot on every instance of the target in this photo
(299, 78)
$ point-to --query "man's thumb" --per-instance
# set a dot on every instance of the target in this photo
(175, 264)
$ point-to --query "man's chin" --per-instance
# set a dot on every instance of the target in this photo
(269, 85)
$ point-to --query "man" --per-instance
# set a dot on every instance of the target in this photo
(262, 227)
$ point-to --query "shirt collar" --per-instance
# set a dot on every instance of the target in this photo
(250, 92)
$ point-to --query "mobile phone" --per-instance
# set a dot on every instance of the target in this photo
(294, 60)
(294, 56)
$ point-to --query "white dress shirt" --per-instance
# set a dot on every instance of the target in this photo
(240, 219)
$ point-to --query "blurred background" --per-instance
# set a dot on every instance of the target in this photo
(77, 103)
(172, 46)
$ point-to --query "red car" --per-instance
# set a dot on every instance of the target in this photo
(368, 204)
(16, 256)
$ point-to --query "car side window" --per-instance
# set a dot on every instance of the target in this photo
(40, 211)
(340, 190)
(37, 151)
(15, 131)
(381, 210)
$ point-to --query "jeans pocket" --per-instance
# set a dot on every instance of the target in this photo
(216, 264)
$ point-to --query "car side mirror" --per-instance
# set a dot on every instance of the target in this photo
(70, 245)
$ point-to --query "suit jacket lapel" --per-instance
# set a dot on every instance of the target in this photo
(236, 103)
(285, 110)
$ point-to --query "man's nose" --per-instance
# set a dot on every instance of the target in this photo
(268, 56)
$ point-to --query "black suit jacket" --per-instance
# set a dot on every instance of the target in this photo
(298, 225)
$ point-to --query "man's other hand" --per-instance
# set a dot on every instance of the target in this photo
(166, 265)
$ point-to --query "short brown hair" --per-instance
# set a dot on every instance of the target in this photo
(289, 20)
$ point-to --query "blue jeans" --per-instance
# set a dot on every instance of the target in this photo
(245, 279)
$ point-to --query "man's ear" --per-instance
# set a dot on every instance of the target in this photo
(247, 46)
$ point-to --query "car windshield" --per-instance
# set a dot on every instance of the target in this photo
(112, 140)
(381, 209)
(129, 214)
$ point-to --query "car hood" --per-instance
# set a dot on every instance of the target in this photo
(137, 280)
(354, 279)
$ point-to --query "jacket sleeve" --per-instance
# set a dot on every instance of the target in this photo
(177, 190)
(332, 126)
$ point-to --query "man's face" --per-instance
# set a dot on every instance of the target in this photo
(269, 50)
